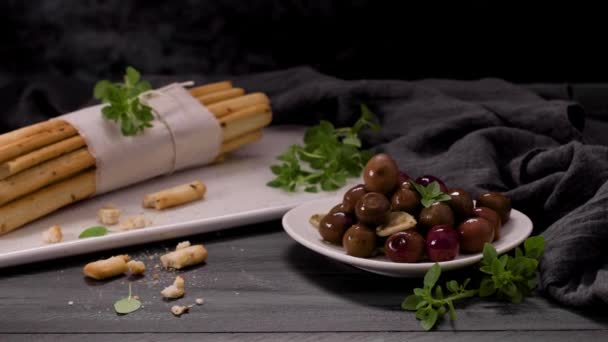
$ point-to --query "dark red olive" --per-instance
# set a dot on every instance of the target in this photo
(372, 209)
(338, 208)
(407, 246)
(474, 233)
(428, 179)
(333, 226)
(442, 243)
(352, 196)
(438, 213)
(359, 241)
(381, 174)
(406, 200)
(491, 216)
(497, 202)
(403, 176)
(461, 203)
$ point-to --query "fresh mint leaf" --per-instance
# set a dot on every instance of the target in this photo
(127, 305)
(432, 275)
(410, 302)
(534, 247)
(430, 194)
(93, 232)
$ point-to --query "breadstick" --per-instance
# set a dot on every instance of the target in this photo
(184, 257)
(136, 267)
(210, 88)
(36, 141)
(44, 174)
(239, 123)
(46, 200)
(27, 131)
(36, 157)
(175, 196)
(107, 268)
(245, 139)
(226, 107)
(221, 95)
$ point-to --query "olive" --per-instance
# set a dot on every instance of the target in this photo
(497, 202)
(372, 209)
(403, 176)
(352, 196)
(333, 226)
(405, 246)
(442, 243)
(428, 179)
(438, 213)
(461, 203)
(474, 233)
(491, 216)
(338, 208)
(359, 241)
(406, 200)
(407, 184)
(381, 174)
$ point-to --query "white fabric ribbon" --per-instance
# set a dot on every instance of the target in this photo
(185, 134)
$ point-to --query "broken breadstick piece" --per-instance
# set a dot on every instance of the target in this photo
(179, 310)
(182, 244)
(176, 290)
(107, 268)
(136, 267)
(134, 222)
(184, 257)
(52, 235)
(109, 214)
(175, 196)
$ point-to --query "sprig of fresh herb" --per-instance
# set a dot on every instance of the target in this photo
(430, 193)
(507, 277)
(93, 232)
(124, 106)
(127, 305)
(329, 156)
(430, 303)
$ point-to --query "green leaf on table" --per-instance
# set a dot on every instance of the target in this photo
(534, 247)
(127, 305)
(410, 302)
(93, 232)
(431, 276)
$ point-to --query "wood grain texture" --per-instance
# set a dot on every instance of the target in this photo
(259, 282)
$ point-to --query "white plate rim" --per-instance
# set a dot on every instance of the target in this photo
(382, 266)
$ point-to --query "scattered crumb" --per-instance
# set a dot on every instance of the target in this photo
(134, 222)
(52, 235)
(109, 214)
(182, 244)
(200, 301)
(71, 303)
(136, 267)
(179, 310)
(136, 297)
(176, 290)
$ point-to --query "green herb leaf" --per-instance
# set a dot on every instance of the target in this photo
(127, 305)
(93, 232)
(410, 302)
(432, 275)
(327, 159)
(534, 247)
(429, 321)
(430, 194)
(123, 105)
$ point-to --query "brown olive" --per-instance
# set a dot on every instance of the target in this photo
(338, 208)
(406, 200)
(352, 196)
(372, 209)
(491, 216)
(333, 226)
(497, 202)
(407, 184)
(381, 174)
(438, 213)
(359, 241)
(461, 203)
(474, 233)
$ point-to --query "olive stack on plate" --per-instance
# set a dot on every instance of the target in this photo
(411, 220)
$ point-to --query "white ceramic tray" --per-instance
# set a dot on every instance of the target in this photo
(297, 226)
(236, 195)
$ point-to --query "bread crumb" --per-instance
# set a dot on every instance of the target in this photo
(183, 244)
(176, 290)
(70, 303)
(52, 235)
(136, 267)
(136, 297)
(200, 301)
(178, 310)
(109, 214)
(134, 222)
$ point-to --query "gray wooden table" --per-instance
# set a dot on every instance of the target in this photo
(258, 285)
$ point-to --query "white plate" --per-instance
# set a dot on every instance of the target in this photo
(236, 195)
(297, 226)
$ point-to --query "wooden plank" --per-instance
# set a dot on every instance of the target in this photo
(256, 280)
(554, 336)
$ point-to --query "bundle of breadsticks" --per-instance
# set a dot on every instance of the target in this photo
(49, 165)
